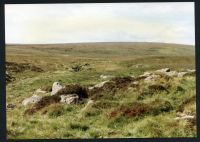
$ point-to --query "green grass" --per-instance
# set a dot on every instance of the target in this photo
(117, 59)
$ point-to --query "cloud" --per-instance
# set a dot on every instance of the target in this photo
(63, 23)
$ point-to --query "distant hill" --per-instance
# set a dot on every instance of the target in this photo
(101, 49)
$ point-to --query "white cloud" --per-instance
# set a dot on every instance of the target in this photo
(62, 23)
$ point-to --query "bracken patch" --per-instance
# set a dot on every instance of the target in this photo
(81, 91)
(111, 87)
(139, 109)
(44, 102)
(20, 67)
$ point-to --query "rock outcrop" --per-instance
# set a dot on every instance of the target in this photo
(149, 76)
(164, 70)
(56, 87)
(32, 100)
(74, 93)
(105, 76)
(69, 98)
(183, 116)
(99, 85)
(40, 91)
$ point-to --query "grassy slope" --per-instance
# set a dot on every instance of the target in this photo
(117, 59)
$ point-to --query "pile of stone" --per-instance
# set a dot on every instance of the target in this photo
(56, 87)
(31, 100)
(70, 98)
(152, 76)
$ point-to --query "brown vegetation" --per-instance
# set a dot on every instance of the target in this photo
(139, 109)
(44, 102)
(20, 67)
(115, 84)
(81, 91)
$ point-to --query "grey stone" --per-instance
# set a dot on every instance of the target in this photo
(152, 77)
(183, 116)
(172, 73)
(182, 74)
(163, 70)
(40, 91)
(32, 100)
(69, 98)
(146, 74)
(56, 87)
(99, 85)
(191, 70)
(105, 76)
(135, 83)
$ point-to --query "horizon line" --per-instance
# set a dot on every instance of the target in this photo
(96, 42)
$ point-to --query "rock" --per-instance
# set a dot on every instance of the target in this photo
(10, 106)
(32, 100)
(191, 70)
(99, 85)
(182, 74)
(167, 72)
(163, 70)
(135, 83)
(130, 88)
(40, 91)
(149, 78)
(172, 73)
(186, 73)
(69, 98)
(105, 76)
(152, 77)
(183, 116)
(146, 74)
(133, 76)
(90, 88)
(56, 87)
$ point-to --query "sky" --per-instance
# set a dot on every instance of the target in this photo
(105, 22)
